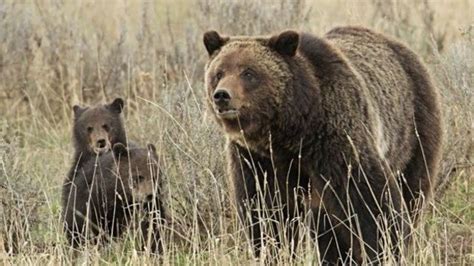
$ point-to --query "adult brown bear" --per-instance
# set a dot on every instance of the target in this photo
(351, 119)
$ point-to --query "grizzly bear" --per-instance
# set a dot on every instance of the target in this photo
(120, 190)
(96, 130)
(347, 126)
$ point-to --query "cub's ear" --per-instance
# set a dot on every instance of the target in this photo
(151, 148)
(213, 41)
(117, 105)
(78, 110)
(285, 43)
(119, 150)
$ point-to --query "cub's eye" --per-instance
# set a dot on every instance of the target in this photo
(219, 75)
(139, 179)
(90, 129)
(105, 127)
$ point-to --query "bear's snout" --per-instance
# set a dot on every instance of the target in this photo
(149, 198)
(221, 97)
(101, 143)
(224, 104)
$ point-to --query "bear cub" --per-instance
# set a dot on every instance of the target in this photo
(96, 129)
(121, 190)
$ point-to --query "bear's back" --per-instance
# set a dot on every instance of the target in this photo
(388, 86)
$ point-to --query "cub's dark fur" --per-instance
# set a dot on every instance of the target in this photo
(96, 130)
(119, 190)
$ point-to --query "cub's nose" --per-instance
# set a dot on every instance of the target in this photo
(221, 97)
(101, 143)
(149, 198)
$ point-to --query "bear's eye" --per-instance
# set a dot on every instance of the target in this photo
(140, 178)
(219, 75)
(89, 129)
(248, 74)
(105, 127)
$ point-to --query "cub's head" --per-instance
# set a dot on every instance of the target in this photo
(139, 170)
(97, 128)
(246, 78)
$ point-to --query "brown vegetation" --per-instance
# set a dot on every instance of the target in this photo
(54, 54)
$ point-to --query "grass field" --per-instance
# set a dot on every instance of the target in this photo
(54, 54)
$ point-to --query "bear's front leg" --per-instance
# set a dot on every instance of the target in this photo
(266, 198)
(254, 190)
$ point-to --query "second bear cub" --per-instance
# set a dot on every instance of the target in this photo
(105, 198)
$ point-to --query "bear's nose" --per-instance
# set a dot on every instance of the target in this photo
(149, 198)
(221, 96)
(101, 143)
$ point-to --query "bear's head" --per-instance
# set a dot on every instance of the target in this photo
(247, 79)
(139, 171)
(97, 128)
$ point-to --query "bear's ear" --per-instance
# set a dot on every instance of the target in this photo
(78, 110)
(213, 41)
(119, 150)
(151, 148)
(285, 43)
(117, 105)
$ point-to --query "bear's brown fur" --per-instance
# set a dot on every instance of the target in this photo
(352, 117)
(110, 194)
(95, 131)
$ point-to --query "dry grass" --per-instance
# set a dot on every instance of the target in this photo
(54, 54)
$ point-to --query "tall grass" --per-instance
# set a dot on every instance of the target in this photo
(54, 54)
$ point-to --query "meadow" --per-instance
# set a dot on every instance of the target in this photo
(55, 54)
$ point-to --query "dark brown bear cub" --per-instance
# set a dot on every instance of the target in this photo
(96, 130)
(351, 121)
(121, 190)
